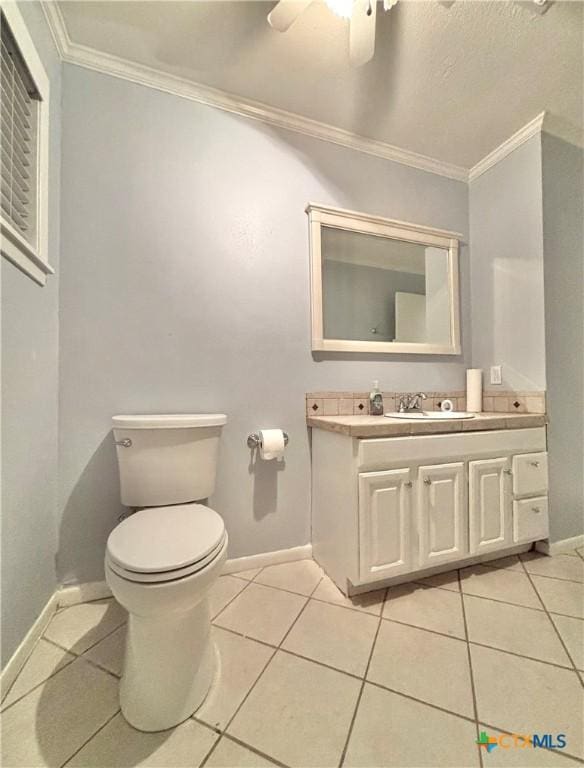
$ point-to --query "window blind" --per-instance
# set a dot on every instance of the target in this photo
(18, 121)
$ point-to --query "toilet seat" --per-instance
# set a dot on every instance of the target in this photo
(165, 543)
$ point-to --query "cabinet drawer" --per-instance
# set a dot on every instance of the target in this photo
(530, 474)
(530, 519)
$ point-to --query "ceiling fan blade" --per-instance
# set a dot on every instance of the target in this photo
(285, 13)
(362, 32)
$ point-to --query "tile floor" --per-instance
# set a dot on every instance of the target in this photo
(400, 677)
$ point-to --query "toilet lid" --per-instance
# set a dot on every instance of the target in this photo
(163, 539)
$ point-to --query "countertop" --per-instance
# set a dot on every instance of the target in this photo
(382, 426)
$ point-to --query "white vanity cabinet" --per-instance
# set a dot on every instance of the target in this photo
(394, 508)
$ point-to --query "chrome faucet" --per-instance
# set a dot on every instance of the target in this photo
(411, 402)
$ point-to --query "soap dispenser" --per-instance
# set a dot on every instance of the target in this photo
(376, 400)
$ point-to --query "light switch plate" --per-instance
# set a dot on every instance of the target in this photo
(496, 375)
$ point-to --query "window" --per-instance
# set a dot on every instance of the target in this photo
(24, 91)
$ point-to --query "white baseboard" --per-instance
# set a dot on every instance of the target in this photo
(83, 593)
(98, 590)
(558, 547)
(268, 558)
(21, 654)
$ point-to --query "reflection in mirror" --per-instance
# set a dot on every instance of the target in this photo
(381, 289)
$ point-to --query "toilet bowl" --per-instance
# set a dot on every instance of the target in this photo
(160, 564)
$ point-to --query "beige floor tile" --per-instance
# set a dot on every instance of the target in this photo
(391, 730)
(262, 613)
(572, 632)
(46, 727)
(512, 562)
(301, 576)
(81, 626)
(109, 652)
(370, 602)
(225, 589)
(333, 635)
(499, 584)
(447, 580)
(524, 696)
(247, 575)
(229, 754)
(44, 661)
(437, 609)
(512, 628)
(298, 713)
(241, 661)
(561, 596)
(424, 665)
(506, 755)
(119, 745)
(558, 566)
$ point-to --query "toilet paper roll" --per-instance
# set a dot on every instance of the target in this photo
(271, 444)
(446, 405)
(474, 390)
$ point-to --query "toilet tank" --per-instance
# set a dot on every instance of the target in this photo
(167, 458)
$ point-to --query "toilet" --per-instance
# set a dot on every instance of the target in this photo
(162, 560)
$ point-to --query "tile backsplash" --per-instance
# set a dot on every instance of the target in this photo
(355, 403)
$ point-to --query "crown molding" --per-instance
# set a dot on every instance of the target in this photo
(89, 58)
(532, 128)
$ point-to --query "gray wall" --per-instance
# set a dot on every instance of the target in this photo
(563, 221)
(506, 246)
(185, 287)
(29, 403)
(357, 298)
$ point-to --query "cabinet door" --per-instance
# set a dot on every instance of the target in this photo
(384, 524)
(489, 505)
(442, 527)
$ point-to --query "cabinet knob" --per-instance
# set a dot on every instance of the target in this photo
(536, 509)
(408, 484)
(427, 481)
(507, 472)
(534, 463)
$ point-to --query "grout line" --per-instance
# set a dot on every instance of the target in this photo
(561, 639)
(55, 672)
(107, 722)
(256, 751)
(580, 554)
(466, 718)
(258, 678)
(227, 604)
(522, 656)
(405, 624)
(471, 671)
(242, 578)
(360, 694)
(86, 660)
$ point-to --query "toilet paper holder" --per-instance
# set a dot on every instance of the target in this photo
(254, 440)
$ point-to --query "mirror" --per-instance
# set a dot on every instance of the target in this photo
(382, 286)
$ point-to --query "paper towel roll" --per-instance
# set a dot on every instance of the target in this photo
(474, 390)
(271, 444)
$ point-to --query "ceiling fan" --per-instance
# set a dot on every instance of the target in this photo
(361, 15)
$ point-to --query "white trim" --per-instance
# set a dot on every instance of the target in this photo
(268, 558)
(24, 650)
(509, 145)
(32, 259)
(83, 593)
(324, 215)
(84, 56)
(558, 547)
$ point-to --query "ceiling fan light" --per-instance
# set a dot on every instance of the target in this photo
(342, 8)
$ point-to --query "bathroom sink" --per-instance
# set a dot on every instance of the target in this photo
(431, 415)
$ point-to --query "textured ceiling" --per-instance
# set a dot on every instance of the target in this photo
(448, 82)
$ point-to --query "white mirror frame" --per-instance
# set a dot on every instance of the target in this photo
(322, 215)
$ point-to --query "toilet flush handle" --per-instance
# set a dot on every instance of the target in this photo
(125, 443)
